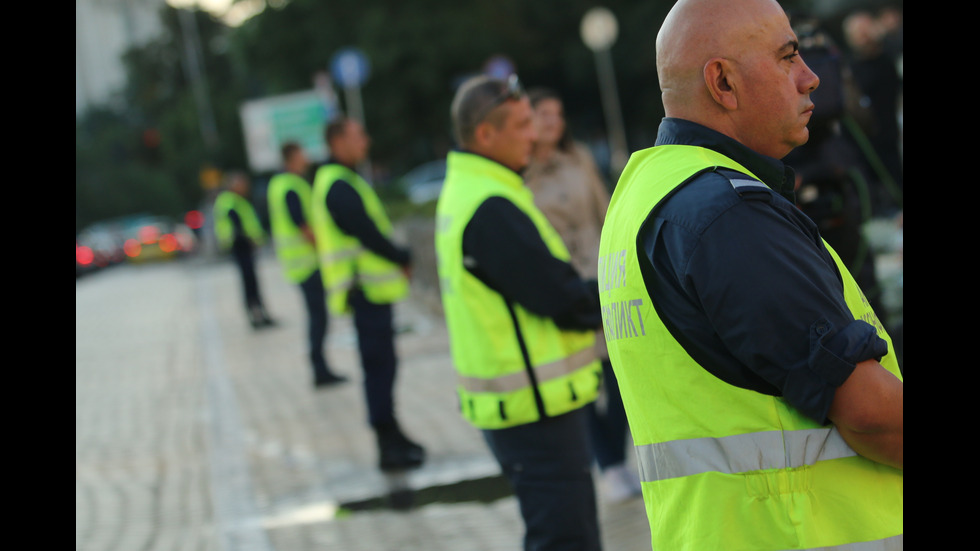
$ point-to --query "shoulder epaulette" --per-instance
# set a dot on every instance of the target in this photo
(743, 183)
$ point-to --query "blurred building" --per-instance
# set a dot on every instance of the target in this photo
(104, 30)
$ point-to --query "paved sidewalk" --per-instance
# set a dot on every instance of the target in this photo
(311, 451)
(194, 431)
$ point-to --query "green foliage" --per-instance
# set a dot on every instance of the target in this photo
(147, 156)
(419, 52)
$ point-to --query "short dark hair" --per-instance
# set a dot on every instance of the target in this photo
(289, 149)
(541, 93)
(335, 129)
(468, 109)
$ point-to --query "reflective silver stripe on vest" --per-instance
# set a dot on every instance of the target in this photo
(894, 543)
(290, 241)
(343, 285)
(393, 275)
(740, 453)
(520, 379)
(305, 262)
(343, 254)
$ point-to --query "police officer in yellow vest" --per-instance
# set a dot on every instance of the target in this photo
(289, 215)
(238, 230)
(521, 321)
(762, 391)
(364, 273)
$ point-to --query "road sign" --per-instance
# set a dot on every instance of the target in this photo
(499, 66)
(270, 122)
(350, 67)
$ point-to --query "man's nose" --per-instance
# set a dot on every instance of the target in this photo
(808, 80)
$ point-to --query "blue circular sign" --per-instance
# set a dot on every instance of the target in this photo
(499, 66)
(350, 67)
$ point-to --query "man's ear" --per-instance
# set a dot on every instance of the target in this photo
(718, 75)
(483, 133)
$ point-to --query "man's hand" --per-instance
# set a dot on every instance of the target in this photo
(308, 234)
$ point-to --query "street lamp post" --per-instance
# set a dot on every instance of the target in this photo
(599, 30)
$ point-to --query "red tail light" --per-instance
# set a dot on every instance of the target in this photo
(168, 243)
(132, 248)
(84, 255)
(194, 219)
(149, 235)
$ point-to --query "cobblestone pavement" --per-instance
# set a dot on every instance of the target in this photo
(194, 431)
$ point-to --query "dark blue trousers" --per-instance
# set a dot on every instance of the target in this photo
(548, 464)
(315, 299)
(376, 344)
(244, 258)
(607, 422)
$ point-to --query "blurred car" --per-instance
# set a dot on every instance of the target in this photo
(149, 238)
(424, 182)
(84, 258)
(98, 246)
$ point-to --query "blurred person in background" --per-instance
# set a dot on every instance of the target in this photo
(832, 184)
(289, 215)
(521, 320)
(364, 273)
(763, 393)
(876, 75)
(238, 230)
(570, 192)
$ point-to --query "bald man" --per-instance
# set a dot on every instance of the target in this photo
(762, 391)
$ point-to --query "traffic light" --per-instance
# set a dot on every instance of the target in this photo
(151, 145)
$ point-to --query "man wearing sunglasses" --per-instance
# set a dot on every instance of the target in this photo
(521, 320)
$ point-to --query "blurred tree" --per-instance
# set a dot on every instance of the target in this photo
(420, 51)
(148, 155)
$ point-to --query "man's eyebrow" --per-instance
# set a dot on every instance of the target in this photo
(790, 45)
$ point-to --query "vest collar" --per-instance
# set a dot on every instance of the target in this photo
(333, 161)
(476, 164)
(778, 176)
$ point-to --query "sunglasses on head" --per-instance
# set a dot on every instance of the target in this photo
(513, 91)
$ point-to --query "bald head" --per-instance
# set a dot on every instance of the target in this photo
(696, 31)
(730, 64)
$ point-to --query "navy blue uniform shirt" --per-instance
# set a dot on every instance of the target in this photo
(348, 212)
(504, 249)
(745, 284)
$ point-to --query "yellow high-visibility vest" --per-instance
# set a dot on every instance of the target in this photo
(224, 204)
(723, 467)
(506, 357)
(344, 263)
(296, 254)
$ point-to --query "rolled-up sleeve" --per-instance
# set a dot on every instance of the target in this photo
(775, 298)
